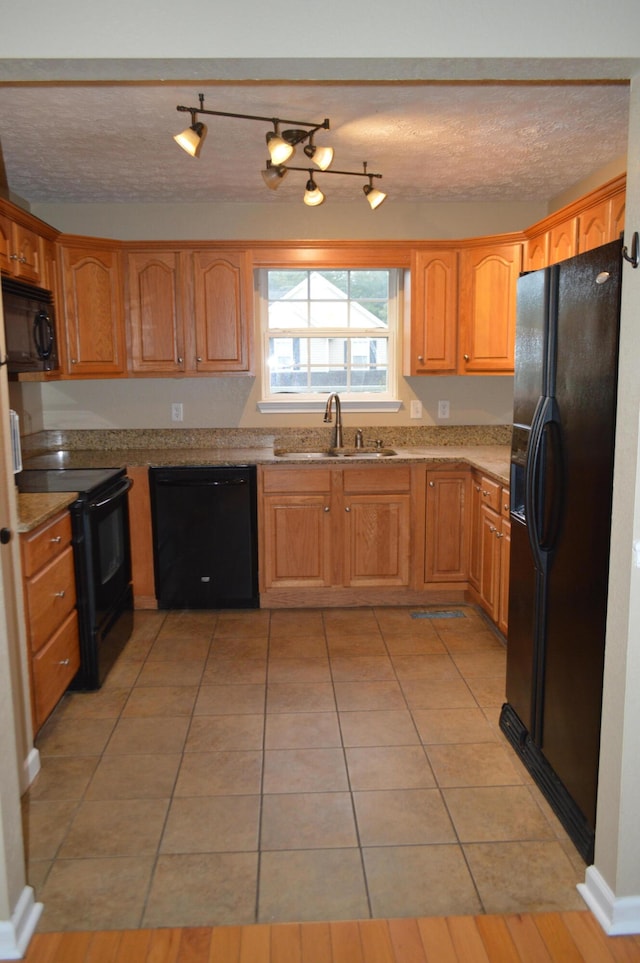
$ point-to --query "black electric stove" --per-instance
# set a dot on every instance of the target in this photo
(85, 481)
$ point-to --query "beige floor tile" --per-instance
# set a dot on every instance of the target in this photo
(296, 621)
(298, 730)
(362, 668)
(214, 700)
(45, 824)
(524, 877)
(148, 735)
(222, 670)
(136, 649)
(308, 821)
(185, 622)
(229, 647)
(147, 623)
(207, 889)
(488, 691)
(390, 728)
(453, 726)
(160, 701)
(480, 665)
(299, 670)
(359, 696)
(356, 645)
(95, 894)
(312, 885)
(304, 770)
(389, 767)
(115, 827)
(37, 872)
(496, 814)
(134, 777)
(214, 733)
(63, 777)
(59, 737)
(212, 824)
(103, 704)
(297, 647)
(122, 675)
(300, 697)
(402, 817)
(182, 648)
(419, 881)
(248, 623)
(438, 667)
(473, 764)
(438, 694)
(185, 673)
(220, 774)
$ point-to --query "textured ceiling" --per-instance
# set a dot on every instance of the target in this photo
(431, 142)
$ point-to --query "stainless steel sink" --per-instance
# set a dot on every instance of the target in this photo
(356, 453)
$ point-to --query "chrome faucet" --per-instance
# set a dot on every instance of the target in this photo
(337, 428)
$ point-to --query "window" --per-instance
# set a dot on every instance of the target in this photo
(329, 330)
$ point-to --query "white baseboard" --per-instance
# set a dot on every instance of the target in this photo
(617, 915)
(30, 769)
(16, 933)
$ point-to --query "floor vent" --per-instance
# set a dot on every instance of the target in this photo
(451, 614)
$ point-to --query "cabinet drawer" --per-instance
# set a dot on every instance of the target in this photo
(375, 479)
(55, 666)
(299, 480)
(45, 543)
(50, 596)
(491, 494)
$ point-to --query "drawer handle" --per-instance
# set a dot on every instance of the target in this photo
(63, 662)
(326, 508)
(485, 493)
(347, 509)
(432, 484)
(59, 595)
(56, 539)
(492, 529)
(499, 534)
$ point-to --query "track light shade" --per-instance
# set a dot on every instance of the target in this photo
(321, 156)
(374, 196)
(273, 176)
(279, 150)
(313, 196)
(192, 138)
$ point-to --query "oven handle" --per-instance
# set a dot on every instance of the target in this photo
(201, 483)
(122, 488)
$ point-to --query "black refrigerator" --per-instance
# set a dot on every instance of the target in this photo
(565, 390)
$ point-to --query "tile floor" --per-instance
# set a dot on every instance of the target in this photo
(259, 766)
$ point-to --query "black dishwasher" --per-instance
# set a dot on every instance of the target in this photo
(205, 550)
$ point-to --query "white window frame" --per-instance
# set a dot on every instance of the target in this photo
(316, 401)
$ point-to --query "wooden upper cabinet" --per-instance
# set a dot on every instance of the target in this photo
(601, 223)
(223, 310)
(487, 313)
(434, 323)
(21, 252)
(536, 252)
(155, 314)
(563, 240)
(93, 314)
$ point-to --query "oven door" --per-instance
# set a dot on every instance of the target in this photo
(108, 529)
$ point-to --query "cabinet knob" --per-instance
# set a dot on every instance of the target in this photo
(499, 534)
(326, 508)
(64, 662)
(432, 484)
(180, 360)
(466, 357)
(347, 509)
(198, 359)
(13, 257)
(492, 529)
(59, 595)
(56, 539)
(420, 357)
(73, 361)
(485, 492)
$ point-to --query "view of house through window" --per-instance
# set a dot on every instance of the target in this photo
(329, 330)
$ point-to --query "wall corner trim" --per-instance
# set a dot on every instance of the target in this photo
(16, 933)
(617, 916)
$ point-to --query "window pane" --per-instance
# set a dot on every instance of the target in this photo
(289, 314)
(287, 284)
(329, 285)
(369, 284)
(329, 314)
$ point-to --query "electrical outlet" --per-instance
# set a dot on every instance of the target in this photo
(176, 411)
(443, 409)
(415, 409)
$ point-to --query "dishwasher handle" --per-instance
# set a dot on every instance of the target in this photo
(200, 483)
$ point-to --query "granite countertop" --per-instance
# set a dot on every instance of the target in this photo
(36, 508)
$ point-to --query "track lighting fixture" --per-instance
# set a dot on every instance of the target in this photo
(313, 196)
(281, 146)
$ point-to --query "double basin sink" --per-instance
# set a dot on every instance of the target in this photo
(368, 453)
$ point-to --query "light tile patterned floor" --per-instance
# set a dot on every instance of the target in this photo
(292, 765)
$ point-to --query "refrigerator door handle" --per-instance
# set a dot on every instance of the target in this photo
(543, 500)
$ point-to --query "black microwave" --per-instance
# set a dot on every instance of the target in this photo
(29, 326)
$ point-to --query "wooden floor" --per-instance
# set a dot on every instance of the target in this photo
(571, 937)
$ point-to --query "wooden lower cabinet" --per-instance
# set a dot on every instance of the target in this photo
(332, 530)
(447, 532)
(141, 539)
(50, 610)
(489, 548)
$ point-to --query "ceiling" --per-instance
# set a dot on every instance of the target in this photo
(432, 142)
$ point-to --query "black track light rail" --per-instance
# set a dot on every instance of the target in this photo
(314, 173)
(276, 121)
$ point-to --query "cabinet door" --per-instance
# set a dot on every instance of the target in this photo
(488, 277)
(536, 252)
(475, 546)
(563, 240)
(141, 539)
(505, 551)
(155, 312)
(594, 227)
(447, 528)
(93, 312)
(434, 293)
(490, 527)
(616, 215)
(377, 539)
(297, 540)
(223, 300)
(20, 251)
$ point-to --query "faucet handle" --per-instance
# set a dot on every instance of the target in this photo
(359, 439)
(379, 443)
